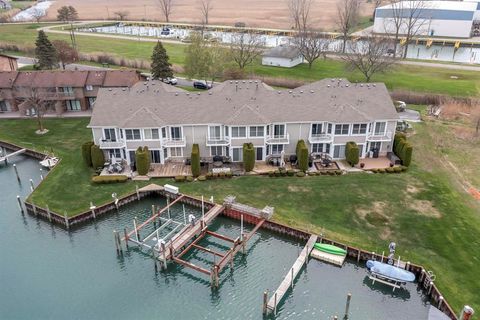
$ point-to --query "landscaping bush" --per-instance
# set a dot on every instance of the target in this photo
(397, 169)
(302, 155)
(202, 178)
(195, 160)
(142, 160)
(338, 172)
(403, 149)
(331, 172)
(403, 168)
(277, 173)
(323, 173)
(209, 176)
(390, 170)
(98, 158)
(301, 174)
(189, 179)
(352, 153)
(374, 170)
(290, 173)
(381, 170)
(407, 151)
(248, 156)
(180, 178)
(271, 174)
(228, 175)
(87, 153)
(109, 179)
(221, 175)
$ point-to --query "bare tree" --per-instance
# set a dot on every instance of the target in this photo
(414, 21)
(299, 13)
(37, 105)
(369, 57)
(122, 14)
(166, 7)
(37, 14)
(376, 4)
(245, 47)
(205, 8)
(68, 14)
(65, 53)
(347, 15)
(395, 23)
(311, 44)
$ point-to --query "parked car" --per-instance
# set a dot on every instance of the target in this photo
(201, 85)
(172, 81)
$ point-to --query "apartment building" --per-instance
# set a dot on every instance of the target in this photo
(66, 90)
(326, 114)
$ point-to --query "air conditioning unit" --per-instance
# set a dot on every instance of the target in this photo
(171, 189)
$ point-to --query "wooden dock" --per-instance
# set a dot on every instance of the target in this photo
(291, 275)
(337, 260)
(13, 154)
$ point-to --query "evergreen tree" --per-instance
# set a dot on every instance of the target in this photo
(45, 52)
(161, 68)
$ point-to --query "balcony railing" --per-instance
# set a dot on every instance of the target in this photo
(323, 137)
(174, 142)
(109, 144)
(387, 136)
(218, 141)
(278, 139)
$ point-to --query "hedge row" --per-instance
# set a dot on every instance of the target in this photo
(248, 156)
(195, 160)
(109, 179)
(352, 153)
(302, 155)
(389, 170)
(142, 160)
(291, 173)
(87, 153)
(402, 148)
(221, 175)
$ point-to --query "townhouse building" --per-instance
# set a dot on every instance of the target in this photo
(168, 120)
(66, 90)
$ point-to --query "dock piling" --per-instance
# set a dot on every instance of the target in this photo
(138, 192)
(31, 185)
(137, 234)
(347, 306)
(168, 207)
(49, 214)
(407, 266)
(440, 302)
(358, 256)
(184, 215)
(265, 302)
(41, 174)
(116, 242)
(20, 204)
(292, 275)
(65, 217)
(16, 172)
(275, 304)
(126, 237)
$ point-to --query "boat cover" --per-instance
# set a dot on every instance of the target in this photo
(390, 271)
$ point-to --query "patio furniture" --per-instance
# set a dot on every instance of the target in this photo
(217, 159)
(393, 158)
(217, 164)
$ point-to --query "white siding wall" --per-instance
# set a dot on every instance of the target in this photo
(440, 28)
(281, 62)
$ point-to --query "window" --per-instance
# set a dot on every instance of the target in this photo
(110, 134)
(380, 128)
(321, 148)
(176, 152)
(259, 153)
(279, 130)
(73, 105)
(131, 154)
(341, 129)
(117, 153)
(155, 156)
(214, 132)
(360, 150)
(339, 151)
(237, 154)
(216, 151)
(316, 129)
(239, 132)
(375, 145)
(176, 133)
(164, 132)
(256, 132)
(68, 90)
(4, 106)
(277, 148)
(330, 128)
(89, 88)
(359, 128)
(132, 134)
(226, 131)
(151, 134)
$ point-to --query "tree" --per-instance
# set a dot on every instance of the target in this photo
(65, 53)
(37, 105)
(197, 59)
(161, 67)
(122, 14)
(195, 160)
(299, 12)
(166, 7)
(302, 155)
(248, 157)
(98, 158)
(68, 14)
(414, 20)
(396, 23)
(45, 52)
(87, 152)
(352, 153)
(347, 15)
(142, 160)
(205, 7)
(245, 47)
(37, 14)
(370, 57)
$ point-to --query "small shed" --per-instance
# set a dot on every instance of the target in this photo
(282, 56)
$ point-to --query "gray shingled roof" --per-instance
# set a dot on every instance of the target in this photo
(282, 51)
(153, 104)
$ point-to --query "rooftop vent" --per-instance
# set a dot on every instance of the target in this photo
(123, 89)
(328, 86)
(109, 89)
(231, 81)
(279, 91)
(176, 93)
(188, 93)
(361, 84)
(347, 85)
(301, 91)
(290, 91)
(209, 93)
(311, 91)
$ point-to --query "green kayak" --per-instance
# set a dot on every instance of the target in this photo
(330, 249)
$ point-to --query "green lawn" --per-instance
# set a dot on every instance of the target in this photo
(424, 210)
(415, 78)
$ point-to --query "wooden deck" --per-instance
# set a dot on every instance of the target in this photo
(170, 170)
(291, 275)
(328, 257)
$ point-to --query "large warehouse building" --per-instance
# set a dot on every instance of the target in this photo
(449, 19)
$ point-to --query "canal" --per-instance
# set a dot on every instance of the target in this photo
(49, 273)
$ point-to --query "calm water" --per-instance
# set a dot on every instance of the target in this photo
(49, 273)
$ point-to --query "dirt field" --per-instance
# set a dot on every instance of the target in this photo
(255, 13)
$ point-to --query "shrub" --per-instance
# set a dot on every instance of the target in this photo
(403, 168)
(221, 175)
(407, 154)
(87, 153)
(277, 173)
(290, 173)
(331, 172)
(352, 153)
(390, 170)
(403, 149)
(98, 158)
(271, 174)
(374, 170)
(180, 178)
(209, 176)
(228, 175)
(301, 174)
(202, 178)
(381, 170)
(248, 156)
(323, 173)
(338, 172)
(189, 179)
(195, 160)
(142, 160)
(397, 169)
(302, 155)
(109, 179)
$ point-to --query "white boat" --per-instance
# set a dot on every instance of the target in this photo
(49, 162)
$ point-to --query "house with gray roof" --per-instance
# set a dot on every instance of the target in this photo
(326, 114)
(282, 56)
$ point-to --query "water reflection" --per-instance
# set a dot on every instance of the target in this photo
(402, 293)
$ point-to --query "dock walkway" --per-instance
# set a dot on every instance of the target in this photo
(291, 275)
(6, 157)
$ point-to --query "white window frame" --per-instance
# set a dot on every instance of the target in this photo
(210, 137)
(342, 126)
(176, 154)
(240, 150)
(76, 103)
(359, 133)
(89, 87)
(238, 129)
(221, 148)
(344, 150)
(256, 128)
(284, 130)
(375, 128)
(277, 146)
(323, 149)
(170, 131)
(151, 134)
(139, 131)
(322, 131)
